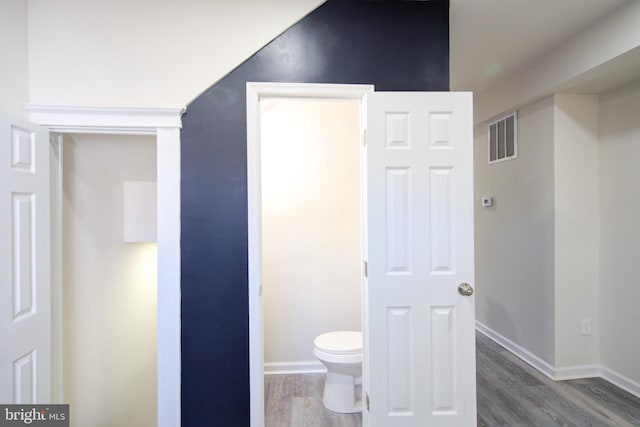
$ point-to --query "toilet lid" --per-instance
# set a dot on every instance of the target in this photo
(339, 342)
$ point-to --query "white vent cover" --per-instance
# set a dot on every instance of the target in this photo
(503, 141)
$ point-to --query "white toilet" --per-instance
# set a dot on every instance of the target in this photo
(341, 353)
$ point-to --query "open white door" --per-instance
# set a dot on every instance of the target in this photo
(25, 306)
(419, 328)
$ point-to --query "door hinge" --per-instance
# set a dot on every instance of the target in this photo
(366, 269)
(364, 137)
(366, 401)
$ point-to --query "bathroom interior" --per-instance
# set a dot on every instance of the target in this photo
(311, 250)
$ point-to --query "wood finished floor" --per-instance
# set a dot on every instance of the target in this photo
(510, 393)
(296, 401)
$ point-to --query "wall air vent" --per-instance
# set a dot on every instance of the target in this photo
(503, 138)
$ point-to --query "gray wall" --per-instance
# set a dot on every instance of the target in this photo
(515, 238)
(561, 243)
(576, 148)
(620, 230)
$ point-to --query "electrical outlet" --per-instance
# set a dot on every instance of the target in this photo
(585, 327)
(487, 201)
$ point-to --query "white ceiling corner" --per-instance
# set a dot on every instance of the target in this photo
(491, 39)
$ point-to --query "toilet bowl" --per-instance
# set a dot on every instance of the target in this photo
(341, 353)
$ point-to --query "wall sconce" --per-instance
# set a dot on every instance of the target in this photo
(140, 211)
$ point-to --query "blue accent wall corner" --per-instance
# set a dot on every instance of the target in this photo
(394, 45)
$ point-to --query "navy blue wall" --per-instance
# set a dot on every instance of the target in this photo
(399, 45)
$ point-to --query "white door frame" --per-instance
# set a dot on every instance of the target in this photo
(255, 93)
(165, 124)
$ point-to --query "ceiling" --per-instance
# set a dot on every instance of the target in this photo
(491, 39)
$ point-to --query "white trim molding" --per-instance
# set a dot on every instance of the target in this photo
(307, 90)
(576, 372)
(57, 309)
(308, 367)
(165, 123)
(106, 120)
(169, 297)
(564, 373)
(517, 350)
(621, 381)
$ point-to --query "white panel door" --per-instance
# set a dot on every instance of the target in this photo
(25, 305)
(419, 329)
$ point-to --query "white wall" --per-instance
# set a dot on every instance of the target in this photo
(311, 224)
(581, 150)
(13, 51)
(145, 52)
(619, 230)
(109, 287)
(576, 151)
(610, 38)
(593, 212)
(515, 239)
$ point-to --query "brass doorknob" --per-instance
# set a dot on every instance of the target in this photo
(465, 289)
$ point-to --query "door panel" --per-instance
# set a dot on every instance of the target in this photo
(25, 312)
(419, 340)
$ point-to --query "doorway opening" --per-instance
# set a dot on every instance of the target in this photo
(262, 97)
(109, 291)
(311, 227)
(164, 124)
(418, 328)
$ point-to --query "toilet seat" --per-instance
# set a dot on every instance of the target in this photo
(339, 343)
(341, 353)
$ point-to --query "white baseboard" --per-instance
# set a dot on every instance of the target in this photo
(517, 350)
(576, 372)
(565, 373)
(621, 381)
(308, 367)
